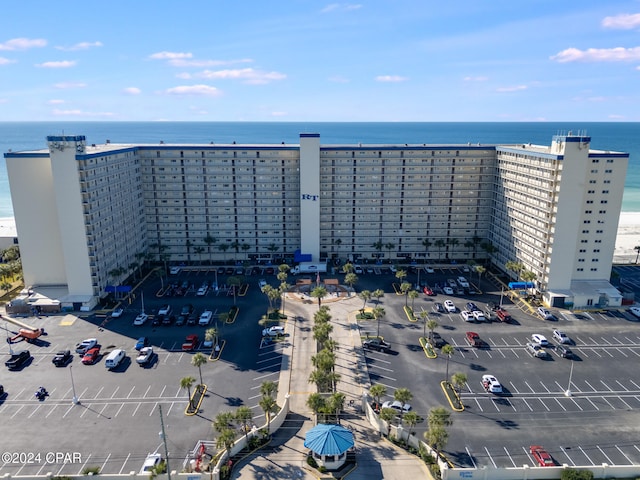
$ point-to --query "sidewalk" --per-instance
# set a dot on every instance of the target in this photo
(285, 457)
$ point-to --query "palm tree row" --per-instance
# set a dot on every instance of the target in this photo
(324, 376)
(388, 415)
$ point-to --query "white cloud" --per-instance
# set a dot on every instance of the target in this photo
(476, 79)
(618, 54)
(180, 62)
(248, 75)
(132, 91)
(515, 88)
(60, 64)
(169, 55)
(55, 101)
(22, 43)
(341, 7)
(80, 46)
(204, 90)
(65, 85)
(6, 61)
(624, 21)
(80, 113)
(184, 76)
(390, 78)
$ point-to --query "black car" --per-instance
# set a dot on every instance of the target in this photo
(168, 320)
(438, 307)
(472, 307)
(192, 319)
(62, 358)
(17, 360)
(376, 344)
(157, 320)
(187, 310)
(564, 351)
(436, 340)
(181, 320)
(220, 270)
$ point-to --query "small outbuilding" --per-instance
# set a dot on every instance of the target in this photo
(329, 444)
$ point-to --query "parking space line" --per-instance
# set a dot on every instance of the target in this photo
(527, 384)
(170, 408)
(269, 367)
(17, 411)
(560, 403)
(632, 350)
(590, 386)
(132, 389)
(116, 391)
(35, 410)
(509, 456)
(622, 352)
(623, 387)
(490, 457)
(624, 455)
(622, 400)
(153, 409)
(124, 464)
(592, 404)
(605, 455)
(567, 455)
(635, 384)
(144, 395)
(118, 411)
(84, 465)
(178, 393)
(105, 462)
(606, 386)
(103, 409)
(265, 376)
(544, 404)
(135, 410)
(68, 410)
(162, 391)
(605, 399)
(527, 404)
(471, 457)
(99, 392)
(51, 410)
(545, 387)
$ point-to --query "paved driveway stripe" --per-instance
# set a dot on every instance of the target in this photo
(124, 464)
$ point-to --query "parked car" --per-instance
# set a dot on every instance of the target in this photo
(449, 306)
(503, 315)
(202, 291)
(463, 282)
(141, 319)
(428, 291)
(205, 318)
(564, 351)
(181, 320)
(174, 270)
(467, 316)
(540, 340)
(85, 345)
(275, 331)
(17, 360)
(436, 340)
(491, 384)
(429, 270)
(447, 290)
(62, 358)
(474, 339)
(377, 344)
(438, 307)
(635, 311)
(397, 405)
(141, 343)
(544, 313)
(165, 310)
(541, 456)
(145, 356)
(151, 462)
(561, 337)
(536, 350)
(472, 307)
(190, 343)
(186, 309)
(91, 356)
(479, 316)
(168, 320)
(117, 313)
(262, 283)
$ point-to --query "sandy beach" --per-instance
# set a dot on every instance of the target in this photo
(628, 235)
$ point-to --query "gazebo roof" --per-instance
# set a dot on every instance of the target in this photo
(329, 439)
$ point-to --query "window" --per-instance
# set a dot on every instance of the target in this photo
(605, 191)
(595, 160)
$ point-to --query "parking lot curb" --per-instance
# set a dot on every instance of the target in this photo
(231, 317)
(408, 311)
(216, 357)
(187, 411)
(445, 388)
(427, 348)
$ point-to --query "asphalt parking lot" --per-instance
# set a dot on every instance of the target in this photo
(597, 424)
(117, 422)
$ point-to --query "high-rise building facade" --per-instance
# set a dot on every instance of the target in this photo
(553, 210)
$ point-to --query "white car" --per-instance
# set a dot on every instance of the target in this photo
(429, 270)
(463, 282)
(393, 269)
(358, 270)
(467, 316)
(397, 406)
(635, 311)
(479, 316)
(262, 283)
(202, 291)
(85, 345)
(174, 270)
(536, 350)
(141, 319)
(449, 306)
(152, 460)
(145, 356)
(117, 313)
(491, 384)
(544, 313)
(275, 331)
(447, 290)
(165, 310)
(539, 340)
(561, 337)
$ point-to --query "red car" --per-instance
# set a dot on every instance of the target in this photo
(190, 343)
(427, 291)
(541, 456)
(91, 356)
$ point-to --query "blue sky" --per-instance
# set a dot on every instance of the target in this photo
(304, 60)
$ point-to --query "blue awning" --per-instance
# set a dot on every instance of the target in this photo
(329, 439)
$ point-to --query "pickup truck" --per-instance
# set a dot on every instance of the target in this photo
(474, 340)
(377, 344)
(190, 343)
(17, 360)
(503, 315)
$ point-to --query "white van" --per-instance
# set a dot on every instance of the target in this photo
(115, 358)
(205, 317)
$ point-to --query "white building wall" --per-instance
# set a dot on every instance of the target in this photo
(310, 195)
(68, 201)
(36, 216)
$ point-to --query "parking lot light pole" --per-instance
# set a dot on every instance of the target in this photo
(74, 399)
(567, 392)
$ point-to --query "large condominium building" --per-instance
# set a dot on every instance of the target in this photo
(87, 214)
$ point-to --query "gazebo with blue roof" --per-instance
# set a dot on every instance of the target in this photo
(329, 444)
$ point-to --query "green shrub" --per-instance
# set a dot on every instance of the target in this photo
(573, 474)
(90, 470)
(312, 462)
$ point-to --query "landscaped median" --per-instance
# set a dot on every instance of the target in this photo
(408, 311)
(215, 354)
(233, 314)
(452, 396)
(427, 348)
(196, 400)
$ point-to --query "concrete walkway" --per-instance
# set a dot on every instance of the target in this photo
(285, 457)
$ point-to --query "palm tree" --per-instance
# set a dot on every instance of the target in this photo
(366, 296)
(209, 240)
(401, 275)
(236, 246)
(411, 419)
(235, 282)
(469, 244)
(458, 380)
(268, 388)
(448, 351)
(319, 293)
(378, 246)
(316, 403)
(437, 435)
(377, 294)
(377, 391)
(413, 294)
(223, 421)
(226, 439)
(211, 335)
(439, 244)
(188, 244)
(404, 396)
(269, 406)
(387, 415)
(199, 251)
(480, 270)
(378, 313)
(245, 247)
(350, 279)
(454, 242)
(405, 288)
(515, 267)
(336, 404)
(223, 247)
(426, 243)
(197, 361)
(348, 268)
(431, 325)
(321, 332)
(244, 415)
(389, 246)
(187, 383)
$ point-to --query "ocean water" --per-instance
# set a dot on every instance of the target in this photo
(622, 137)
